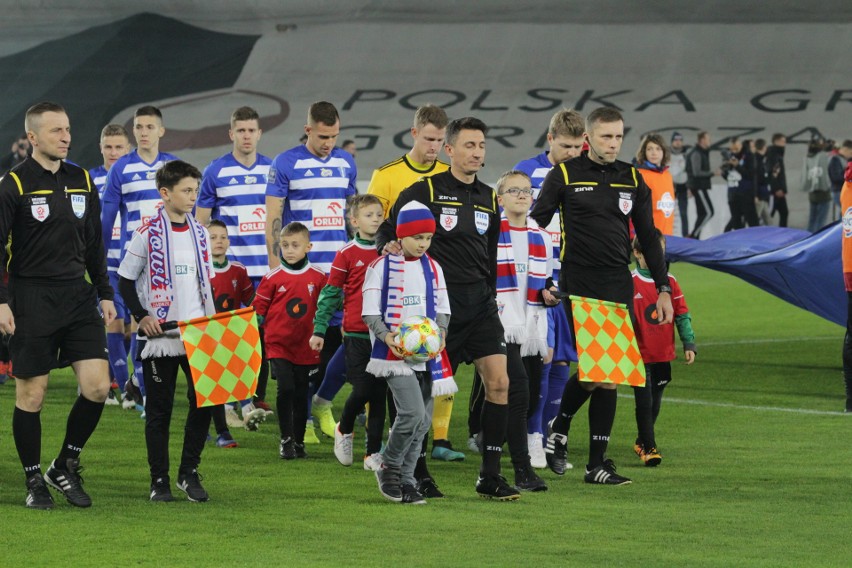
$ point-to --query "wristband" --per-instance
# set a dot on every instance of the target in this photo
(140, 316)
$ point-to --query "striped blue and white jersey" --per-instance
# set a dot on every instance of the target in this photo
(131, 185)
(236, 194)
(537, 168)
(113, 247)
(315, 192)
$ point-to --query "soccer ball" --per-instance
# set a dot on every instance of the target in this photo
(419, 338)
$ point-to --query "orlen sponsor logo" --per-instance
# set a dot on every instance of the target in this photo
(116, 233)
(257, 224)
(333, 217)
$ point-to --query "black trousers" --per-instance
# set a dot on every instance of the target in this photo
(366, 388)
(292, 400)
(520, 370)
(160, 375)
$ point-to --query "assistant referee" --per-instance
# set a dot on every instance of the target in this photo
(50, 221)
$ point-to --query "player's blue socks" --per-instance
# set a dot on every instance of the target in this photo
(117, 358)
(535, 421)
(137, 365)
(335, 376)
(555, 389)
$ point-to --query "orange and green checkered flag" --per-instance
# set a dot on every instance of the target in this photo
(606, 343)
(224, 355)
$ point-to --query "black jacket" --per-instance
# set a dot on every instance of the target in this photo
(54, 223)
(468, 227)
(596, 204)
(775, 168)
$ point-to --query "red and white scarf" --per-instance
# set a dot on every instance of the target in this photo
(162, 299)
(524, 319)
(383, 362)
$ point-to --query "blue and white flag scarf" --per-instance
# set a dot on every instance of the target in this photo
(383, 362)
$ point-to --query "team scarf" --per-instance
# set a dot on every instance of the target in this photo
(162, 300)
(383, 362)
(524, 319)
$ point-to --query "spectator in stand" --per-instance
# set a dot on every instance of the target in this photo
(677, 167)
(816, 184)
(837, 168)
(778, 177)
(699, 174)
(740, 174)
(19, 153)
(349, 146)
(761, 180)
(652, 162)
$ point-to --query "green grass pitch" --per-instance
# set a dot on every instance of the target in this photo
(756, 472)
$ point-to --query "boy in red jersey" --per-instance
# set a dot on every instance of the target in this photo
(345, 282)
(287, 301)
(657, 346)
(232, 288)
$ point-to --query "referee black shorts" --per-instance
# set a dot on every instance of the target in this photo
(475, 329)
(55, 325)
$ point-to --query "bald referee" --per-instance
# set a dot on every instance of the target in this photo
(50, 219)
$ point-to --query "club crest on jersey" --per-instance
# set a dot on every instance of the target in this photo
(311, 289)
(78, 205)
(40, 212)
(449, 221)
(481, 220)
(625, 202)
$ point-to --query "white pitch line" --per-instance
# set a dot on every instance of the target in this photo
(747, 407)
(838, 337)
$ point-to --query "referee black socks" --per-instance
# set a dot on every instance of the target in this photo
(26, 429)
(82, 421)
(494, 423)
(573, 398)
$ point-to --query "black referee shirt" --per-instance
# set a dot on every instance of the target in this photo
(52, 226)
(468, 227)
(596, 203)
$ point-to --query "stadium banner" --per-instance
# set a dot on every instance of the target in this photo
(224, 355)
(606, 343)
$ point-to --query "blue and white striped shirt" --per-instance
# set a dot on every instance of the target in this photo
(315, 192)
(131, 185)
(237, 196)
(113, 247)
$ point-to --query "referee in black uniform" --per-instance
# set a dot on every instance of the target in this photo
(597, 196)
(50, 219)
(465, 245)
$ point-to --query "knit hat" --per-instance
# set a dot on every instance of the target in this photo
(677, 136)
(414, 218)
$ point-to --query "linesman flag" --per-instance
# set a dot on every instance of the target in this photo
(606, 343)
(224, 355)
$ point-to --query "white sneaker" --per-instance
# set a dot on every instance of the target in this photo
(232, 419)
(343, 446)
(473, 444)
(127, 403)
(373, 462)
(536, 449)
(252, 418)
(111, 400)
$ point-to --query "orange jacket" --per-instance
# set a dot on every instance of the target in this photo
(846, 209)
(662, 197)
